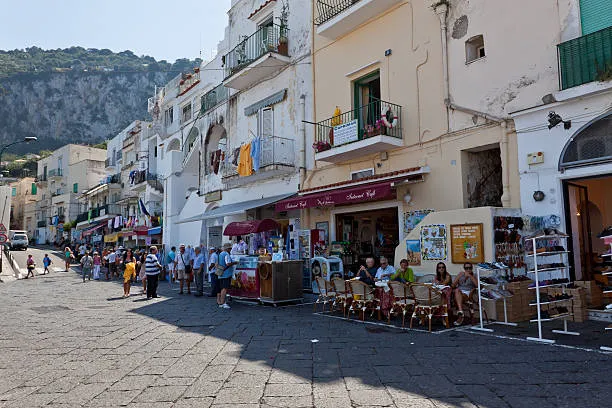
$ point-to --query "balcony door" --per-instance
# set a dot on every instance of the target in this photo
(367, 101)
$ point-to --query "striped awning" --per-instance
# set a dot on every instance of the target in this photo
(264, 103)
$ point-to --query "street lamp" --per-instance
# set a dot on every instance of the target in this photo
(26, 139)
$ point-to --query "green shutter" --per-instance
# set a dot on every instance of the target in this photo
(14, 191)
(595, 15)
(75, 188)
(34, 189)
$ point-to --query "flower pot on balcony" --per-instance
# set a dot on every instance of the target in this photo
(283, 46)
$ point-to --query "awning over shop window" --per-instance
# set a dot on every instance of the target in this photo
(155, 231)
(236, 208)
(141, 230)
(91, 230)
(354, 195)
(127, 233)
(264, 103)
(111, 238)
(249, 227)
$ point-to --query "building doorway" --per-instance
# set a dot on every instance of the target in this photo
(588, 212)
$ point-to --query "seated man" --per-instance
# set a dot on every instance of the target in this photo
(463, 284)
(367, 273)
(385, 271)
(403, 274)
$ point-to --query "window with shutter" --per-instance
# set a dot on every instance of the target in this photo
(595, 15)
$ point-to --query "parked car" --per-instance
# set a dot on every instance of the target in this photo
(19, 241)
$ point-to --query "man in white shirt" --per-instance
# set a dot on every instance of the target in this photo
(110, 264)
(199, 264)
(385, 270)
(183, 264)
(213, 260)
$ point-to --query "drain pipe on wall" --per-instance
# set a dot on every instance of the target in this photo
(302, 133)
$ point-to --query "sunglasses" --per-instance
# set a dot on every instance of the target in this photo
(468, 268)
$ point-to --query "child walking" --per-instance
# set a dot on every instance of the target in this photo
(46, 263)
(128, 274)
(30, 265)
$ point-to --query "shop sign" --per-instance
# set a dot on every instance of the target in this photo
(433, 242)
(96, 238)
(346, 133)
(212, 196)
(413, 252)
(357, 195)
(467, 243)
(111, 238)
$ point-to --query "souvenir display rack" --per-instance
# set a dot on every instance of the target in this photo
(608, 240)
(563, 255)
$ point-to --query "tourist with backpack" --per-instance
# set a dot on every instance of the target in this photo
(87, 265)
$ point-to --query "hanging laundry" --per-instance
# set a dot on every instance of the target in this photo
(256, 152)
(236, 156)
(117, 221)
(245, 163)
(110, 224)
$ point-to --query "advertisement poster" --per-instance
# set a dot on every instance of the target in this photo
(413, 252)
(245, 281)
(433, 242)
(413, 218)
(346, 133)
(325, 227)
(466, 243)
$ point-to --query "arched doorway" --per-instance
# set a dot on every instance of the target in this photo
(215, 147)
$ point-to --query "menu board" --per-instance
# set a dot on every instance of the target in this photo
(346, 133)
(467, 243)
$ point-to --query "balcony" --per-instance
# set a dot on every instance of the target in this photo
(277, 158)
(129, 140)
(336, 18)
(108, 209)
(359, 132)
(55, 174)
(257, 57)
(188, 81)
(41, 179)
(586, 59)
(213, 98)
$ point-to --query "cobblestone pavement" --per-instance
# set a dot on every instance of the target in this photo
(66, 343)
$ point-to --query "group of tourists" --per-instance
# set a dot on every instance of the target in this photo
(190, 266)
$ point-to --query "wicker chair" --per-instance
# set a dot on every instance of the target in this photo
(428, 303)
(343, 295)
(473, 307)
(402, 299)
(363, 298)
(429, 278)
(326, 294)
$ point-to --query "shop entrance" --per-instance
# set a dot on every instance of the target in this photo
(588, 211)
(368, 233)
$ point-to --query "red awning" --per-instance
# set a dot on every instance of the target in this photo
(354, 195)
(91, 230)
(141, 230)
(249, 227)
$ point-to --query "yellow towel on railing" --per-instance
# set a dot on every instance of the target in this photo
(245, 162)
(336, 119)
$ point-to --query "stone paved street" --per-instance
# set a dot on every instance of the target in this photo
(68, 344)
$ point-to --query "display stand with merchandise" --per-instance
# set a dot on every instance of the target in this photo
(538, 267)
(608, 241)
(501, 284)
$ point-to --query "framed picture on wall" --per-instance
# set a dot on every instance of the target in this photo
(467, 243)
(325, 227)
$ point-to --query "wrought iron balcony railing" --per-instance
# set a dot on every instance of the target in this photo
(586, 59)
(99, 211)
(266, 39)
(213, 97)
(374, 119)
(328, 9)
(275, 151)
(55, 173)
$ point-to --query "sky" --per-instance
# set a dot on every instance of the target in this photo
(161, 29)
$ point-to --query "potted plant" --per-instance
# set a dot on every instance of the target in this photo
(283, 41)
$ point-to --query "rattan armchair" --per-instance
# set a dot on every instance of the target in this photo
(343, 295)
(363, 298)
(402, 299)
(428, 303)
(326, 294)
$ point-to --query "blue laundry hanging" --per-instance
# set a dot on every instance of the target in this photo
(256, 152)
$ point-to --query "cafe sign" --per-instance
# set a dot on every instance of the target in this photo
(355, 195)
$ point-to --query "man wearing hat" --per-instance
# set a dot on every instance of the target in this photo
(228, 264)
(199, 263)
(213, 260)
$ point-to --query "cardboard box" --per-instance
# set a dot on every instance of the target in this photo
(594, 294)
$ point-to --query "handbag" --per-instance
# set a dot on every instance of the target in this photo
(220, 270)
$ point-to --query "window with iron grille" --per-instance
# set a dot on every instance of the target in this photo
(590, 145)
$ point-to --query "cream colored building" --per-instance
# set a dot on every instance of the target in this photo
(62, 177)
(23, 194)
(445, 79)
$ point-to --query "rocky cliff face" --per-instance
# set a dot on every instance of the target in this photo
(72, 107)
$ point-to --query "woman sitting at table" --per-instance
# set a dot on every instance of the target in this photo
(443, 278)
(367, 273)
(403, 274)
(464, 283)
